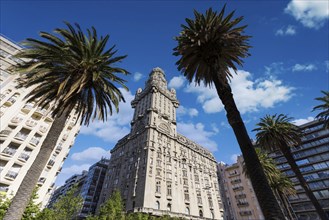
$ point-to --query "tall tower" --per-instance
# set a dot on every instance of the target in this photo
(158, 170)
(23, 128)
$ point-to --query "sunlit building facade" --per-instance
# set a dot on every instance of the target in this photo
(312, 157)
(23, 129)
(238, 196)
(157, 170)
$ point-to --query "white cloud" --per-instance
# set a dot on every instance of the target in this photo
(288, 31)
(176, 82)
(91, 153)
(301, 67)
(197, 133)
(302, 121)
(192, 112)
(311, 14)
(137, 76)
(250, 96)
(116, 126)
(326, 63)
(234, 158)
(69, 171)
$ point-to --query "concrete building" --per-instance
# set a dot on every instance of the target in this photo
(158, 170)
(92, 187)
(239, 199)
(312, 157)
(23, 128)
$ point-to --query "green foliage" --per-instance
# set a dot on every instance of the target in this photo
(113, 208)
(46, 214)
(324, 108)
(32, 209)
(4, 205)
(68, 205)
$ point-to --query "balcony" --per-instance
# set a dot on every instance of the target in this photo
(11, 175)
(240, 196)
(58, 149)
(34, 141)
(43, 129)
(41, 180)
(10, 101)
(50, 163)
(241, 204)
(16, 120)
(237, 188)
(31, 123)
(24, 156)
(40, 111)
(27, 108)
(5, 132)
(245, 213)
(71, 125)
(65, 137)
(21, 136)
(8, 151)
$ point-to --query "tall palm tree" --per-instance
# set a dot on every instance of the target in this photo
(72, 72)
(324, 108)
(281, 185)
(209, 47)
(275, 132)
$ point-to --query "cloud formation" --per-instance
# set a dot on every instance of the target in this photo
(302, 121)
(250, 96)
(91, 154)
(117, 125)
(137, 76)
(303, 67)
(288, 31)
(67, 172)
(234, 158)
(199, 134)
(312, 14)
(181, 111)
(176, 82)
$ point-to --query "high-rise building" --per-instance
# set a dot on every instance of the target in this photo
(239, 199)
(23, 128)
(312, 157)
(92, 187)
(157, 170)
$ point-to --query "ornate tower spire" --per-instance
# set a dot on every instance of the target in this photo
(155, 104)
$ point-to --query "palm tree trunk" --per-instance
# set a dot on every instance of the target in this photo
(264, 193)
(291, 161)
(24, 192)
(284, 199)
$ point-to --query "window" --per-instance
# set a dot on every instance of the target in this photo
(158, 187)
(169, 207)
(187, 211)
(169, 189)
(200, 213)
(157, 205)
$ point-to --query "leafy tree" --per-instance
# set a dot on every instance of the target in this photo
(210, 47)
(69, 71)
(4, 205)
(113, 208)
(275, 132)
(324, 108)
(46, 214)
(32, 209)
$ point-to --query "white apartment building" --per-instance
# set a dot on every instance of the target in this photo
(23, 128)
(239, 198)
(157, 170)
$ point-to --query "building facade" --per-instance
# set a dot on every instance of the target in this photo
(312, 157)
(23, 128)
(158, 170)
(239, 199)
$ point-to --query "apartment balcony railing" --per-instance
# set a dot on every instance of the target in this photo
(71, 125)
(42, 180)
(9, 151)
(16, 120)
(27, 107)
(237, 188)
(10, 101)
(244, 213)
(31, 123)
(240, 196)
(5, 132)
(43, 129)
(58, 149)
(50, 163)
(65, 137)
(11, 175)
(40, 111)
(24, 156)
(242, 204)
(21, 136)
(34, 141)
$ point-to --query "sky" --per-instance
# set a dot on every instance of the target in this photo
(287, 69)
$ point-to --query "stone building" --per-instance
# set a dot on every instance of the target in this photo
(23, 128)
(239, 199)
(157, 170)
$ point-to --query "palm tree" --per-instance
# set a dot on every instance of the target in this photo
(281, 185)
(209, 47)
(324, 107)
(275, 132)
(72, 72)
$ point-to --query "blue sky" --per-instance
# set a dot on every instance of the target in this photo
(287, 69)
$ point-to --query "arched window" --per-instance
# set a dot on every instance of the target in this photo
(157, 205)
(200, 213)
(169, 207)
(187, 211)
(212, 215)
